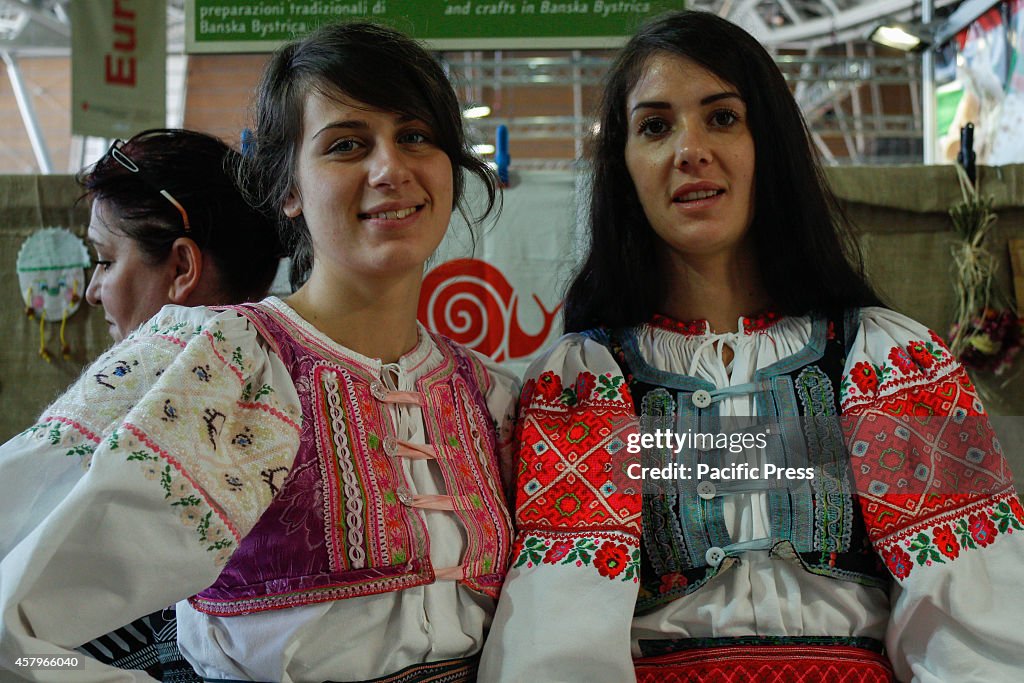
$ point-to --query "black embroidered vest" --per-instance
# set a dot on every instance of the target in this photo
(816, 522)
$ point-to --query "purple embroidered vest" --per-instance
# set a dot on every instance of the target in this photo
(343, 523)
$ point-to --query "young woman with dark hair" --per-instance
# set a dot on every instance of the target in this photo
(169, 226)
(687, 508)
(799, 235)
(316, 479)
(331, 66)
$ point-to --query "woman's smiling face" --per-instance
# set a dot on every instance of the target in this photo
(373, 187)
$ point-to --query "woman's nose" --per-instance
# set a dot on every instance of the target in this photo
(388, 166)
(92, 292)
(692, 149)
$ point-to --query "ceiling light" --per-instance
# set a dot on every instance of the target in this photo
(901, 37)
(476, 111)
(483, 149)
(917, 37)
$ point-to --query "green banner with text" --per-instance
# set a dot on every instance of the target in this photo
(262, 25)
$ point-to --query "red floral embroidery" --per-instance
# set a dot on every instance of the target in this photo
(687, 327)
(549, 386)
(611, 559)
(982, 530)
(672, 581)
(898, 563)
(945, 541)
(864, 377)
(558, 551)
(1017, 508)
(901, 360)
(585, 384)
(760, 322)
(920, 353)
(517, 546)
(939, 341)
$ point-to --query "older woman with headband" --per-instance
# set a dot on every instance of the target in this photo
(169, 226)
(316, 479)
(686, 507)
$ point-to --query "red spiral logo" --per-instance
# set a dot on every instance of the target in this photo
(471, 302)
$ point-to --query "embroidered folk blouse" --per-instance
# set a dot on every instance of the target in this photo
(134, 490)
(572, 598)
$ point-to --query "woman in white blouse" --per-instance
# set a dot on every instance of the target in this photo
(315, 479)
(737, 465)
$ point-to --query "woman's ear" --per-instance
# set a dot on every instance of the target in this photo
(186, 262)
(293, 204)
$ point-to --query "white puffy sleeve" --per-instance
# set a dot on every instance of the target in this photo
(567, 603)
(500, 388)
(134, 488)
(938, 502)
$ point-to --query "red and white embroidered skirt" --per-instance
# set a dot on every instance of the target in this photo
(767, 664)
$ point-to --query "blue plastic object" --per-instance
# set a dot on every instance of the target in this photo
(501, 155)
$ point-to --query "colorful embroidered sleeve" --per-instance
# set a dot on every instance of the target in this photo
(938, 502)
(136, 486)
(567, 603)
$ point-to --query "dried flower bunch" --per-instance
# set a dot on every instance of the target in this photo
(986, 332)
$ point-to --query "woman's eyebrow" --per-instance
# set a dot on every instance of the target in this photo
(656, 104)
(348, 124)
(721, 96)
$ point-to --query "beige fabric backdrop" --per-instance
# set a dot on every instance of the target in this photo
(900, 211)
(27, 382)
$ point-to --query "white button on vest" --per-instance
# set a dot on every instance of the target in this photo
(705, 445)
(714, 556)
(701, 398)
(404, 495)
(706, 490)
(390, 445)
(379, 391)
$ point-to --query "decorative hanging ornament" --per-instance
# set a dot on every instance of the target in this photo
(51, 272)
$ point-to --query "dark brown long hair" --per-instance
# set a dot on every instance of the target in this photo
(808, 259)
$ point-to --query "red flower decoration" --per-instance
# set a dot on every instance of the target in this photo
(982, 530)
(549, 386)
(610, 559)
(863, 375)
(901, 360)
(687, 327)
(760, 322)
(558, 551)
(945, 541)
(920, 353)
(1017, 508)
(899, 563)
(939, 341)
(672, 581)
(585, 384)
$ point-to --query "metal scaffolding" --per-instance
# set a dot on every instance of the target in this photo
(838, 78)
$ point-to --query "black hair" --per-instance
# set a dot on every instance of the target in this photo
(808, 259)
(198, 171)
(374, 65)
